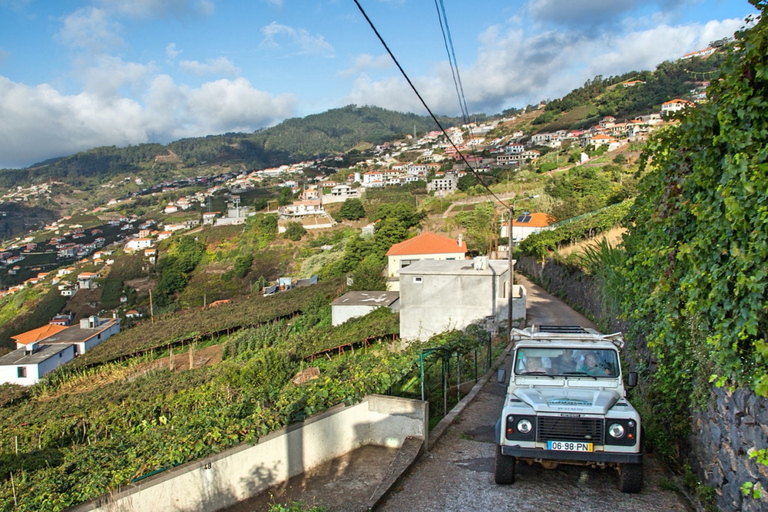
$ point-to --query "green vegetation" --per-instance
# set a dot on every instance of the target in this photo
(352, 209)
(697, 247)
(330, 132)
(129, 419)
(29, 309)
(669, 80)
(294, 231)
(541, 244)
(194, 323)
(176, 266)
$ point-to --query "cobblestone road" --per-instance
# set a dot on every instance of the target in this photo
(457, 475)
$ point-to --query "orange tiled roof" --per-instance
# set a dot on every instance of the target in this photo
(538, 220)
(38, 334)
(427, 243)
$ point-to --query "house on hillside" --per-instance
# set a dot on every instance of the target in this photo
(426, 246)
(138, 244)
(525, 225)
(87, 280)
(356, 304)
(672, 106)
(87, 334)
(37, 335)
(27, 365)
(438, 296)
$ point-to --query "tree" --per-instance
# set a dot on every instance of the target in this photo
(480, 226)
(352, 209)
(369, 276)
(294, 231)
(466, 182)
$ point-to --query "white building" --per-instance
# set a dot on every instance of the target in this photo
(26, 366)
(138, 244)
(426, 246)
(438, 296)
(356, 304)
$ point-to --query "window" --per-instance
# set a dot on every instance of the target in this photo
(417, 280)
(405, 263)
(22, 372)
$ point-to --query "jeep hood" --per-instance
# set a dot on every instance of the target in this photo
(587, 401)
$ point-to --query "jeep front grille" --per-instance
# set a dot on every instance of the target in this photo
(557, 428)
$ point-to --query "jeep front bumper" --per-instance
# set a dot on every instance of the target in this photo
(558, 455)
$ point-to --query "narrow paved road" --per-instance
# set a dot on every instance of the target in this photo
(457, 475)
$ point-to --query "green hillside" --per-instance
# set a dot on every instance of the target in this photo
(334, 131)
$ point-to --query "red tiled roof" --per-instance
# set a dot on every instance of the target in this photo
(427, 243)
(38, 334)
(538, 220)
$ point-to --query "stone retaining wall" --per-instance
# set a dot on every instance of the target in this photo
(721, 435)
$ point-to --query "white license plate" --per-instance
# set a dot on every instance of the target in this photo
(569, 446)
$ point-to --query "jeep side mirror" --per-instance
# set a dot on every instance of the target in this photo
(501, 375)
(632, 379)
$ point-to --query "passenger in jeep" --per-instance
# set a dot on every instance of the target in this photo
(592, 365)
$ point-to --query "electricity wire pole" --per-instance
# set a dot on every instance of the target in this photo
(511, 273)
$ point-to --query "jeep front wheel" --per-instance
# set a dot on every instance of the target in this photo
(630, 477)
(504, 470)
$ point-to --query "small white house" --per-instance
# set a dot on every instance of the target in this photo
(356, 304)
(25, 366)
(438, 296)
(138, 244)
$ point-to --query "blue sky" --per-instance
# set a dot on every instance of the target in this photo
(76, 74)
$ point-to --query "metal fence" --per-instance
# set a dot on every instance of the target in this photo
(443, 375)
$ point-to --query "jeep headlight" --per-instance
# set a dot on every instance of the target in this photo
(616, 430)
(524, 426)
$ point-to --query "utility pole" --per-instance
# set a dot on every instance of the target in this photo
(511, 273)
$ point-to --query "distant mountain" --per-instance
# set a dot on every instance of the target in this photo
(334, 131)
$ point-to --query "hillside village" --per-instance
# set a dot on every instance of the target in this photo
(439, 161)
(294, 288)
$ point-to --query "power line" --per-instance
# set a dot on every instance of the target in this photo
(434, 118)
(443, 19)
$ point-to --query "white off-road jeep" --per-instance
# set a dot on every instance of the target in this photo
(566, 404)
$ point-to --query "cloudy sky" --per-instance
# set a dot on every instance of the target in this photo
(77, 74)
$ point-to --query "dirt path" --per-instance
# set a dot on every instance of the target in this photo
(457, 475)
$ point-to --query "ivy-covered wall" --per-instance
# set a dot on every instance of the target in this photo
(724, 430)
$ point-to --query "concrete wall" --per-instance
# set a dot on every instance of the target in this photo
(53, 362)
(223, 479)
(519, 302)
(434, 301)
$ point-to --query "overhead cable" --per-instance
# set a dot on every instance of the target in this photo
(424, 103)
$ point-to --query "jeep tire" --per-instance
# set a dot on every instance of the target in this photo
(630, 477)
(504, 469)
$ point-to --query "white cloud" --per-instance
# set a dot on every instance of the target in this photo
(217, 66)
(297, 41)
(514, 70)
(365, 62)
(171, 52)
(234, 105)
(143, 9)
(111, 77)
(91, 29)
(40, 122)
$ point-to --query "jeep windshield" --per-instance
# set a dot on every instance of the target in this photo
(566, 362)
